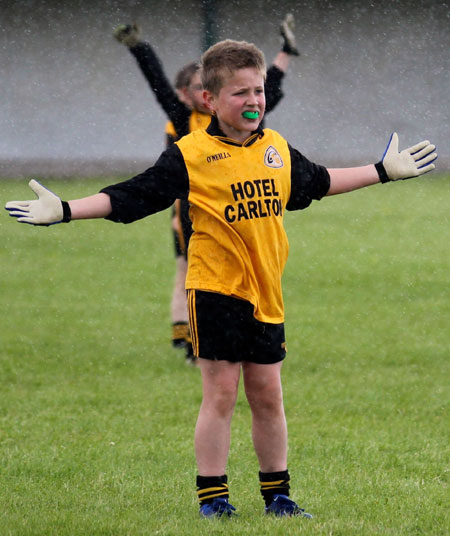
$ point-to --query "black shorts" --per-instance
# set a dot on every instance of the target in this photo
(224, 328)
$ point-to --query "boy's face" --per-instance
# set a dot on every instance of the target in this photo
(193, 94)
(243, 91)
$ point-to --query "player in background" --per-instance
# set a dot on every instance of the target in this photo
(187, 83)
(186, 111)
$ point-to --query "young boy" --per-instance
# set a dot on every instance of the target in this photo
(239, 180)
(186, 112)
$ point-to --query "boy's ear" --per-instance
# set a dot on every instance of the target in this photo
(209, 100)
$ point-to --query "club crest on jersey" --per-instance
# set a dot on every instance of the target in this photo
(272, 158)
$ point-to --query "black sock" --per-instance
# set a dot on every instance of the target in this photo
(274, 484)
(210, 487)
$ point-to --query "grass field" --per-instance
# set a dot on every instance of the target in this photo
(97, 411)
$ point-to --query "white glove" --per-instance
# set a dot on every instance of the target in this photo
(411, 162)
(287, 35)
(45, 210)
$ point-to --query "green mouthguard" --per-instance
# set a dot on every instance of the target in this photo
(250, 115)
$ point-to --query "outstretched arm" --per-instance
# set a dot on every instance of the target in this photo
(147, 193)
(394, 165)
(348, 179)
(49, 209)
(94, 206)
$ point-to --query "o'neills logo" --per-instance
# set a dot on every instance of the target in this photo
(272, 158)
(218, 156)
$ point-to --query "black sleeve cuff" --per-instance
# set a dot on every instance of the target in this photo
(382, 172)
(67, 213)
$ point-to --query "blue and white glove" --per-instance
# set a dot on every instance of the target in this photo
(411, 162)
(47, 209)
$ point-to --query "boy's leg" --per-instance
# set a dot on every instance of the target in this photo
(220, 380)
(181, 335)
(265, 396)
(178, 306)
(269, 431)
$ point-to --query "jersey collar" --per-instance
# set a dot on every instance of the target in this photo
(214, 130)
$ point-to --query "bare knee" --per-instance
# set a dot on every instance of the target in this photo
(220, 388)
(222, 402)
(266, 401)
(263, 391)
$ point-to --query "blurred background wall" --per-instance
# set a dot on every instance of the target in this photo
(73, 101)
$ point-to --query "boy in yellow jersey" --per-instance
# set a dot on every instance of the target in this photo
(239, 180)
(186, 112)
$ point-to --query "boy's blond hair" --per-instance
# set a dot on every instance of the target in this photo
(224, 58)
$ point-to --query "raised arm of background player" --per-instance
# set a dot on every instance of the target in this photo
(280, 64)
(151, 67)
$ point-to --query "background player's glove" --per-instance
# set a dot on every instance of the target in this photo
(411, 162)
(127, 34)
(45, 210)
(288, 37)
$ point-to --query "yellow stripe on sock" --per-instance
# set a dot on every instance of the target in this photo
(272, 483)
(208, 490)
(213, 495)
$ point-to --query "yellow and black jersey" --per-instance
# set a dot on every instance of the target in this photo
(196, 120)
(182, 120)
(237, 197)
(170, 131)
(238, 194)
